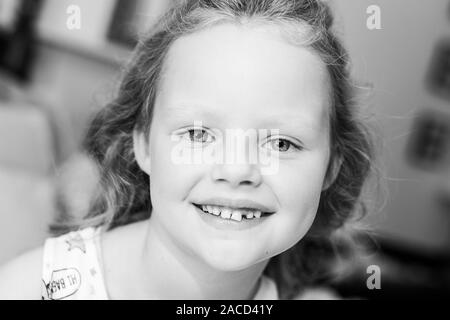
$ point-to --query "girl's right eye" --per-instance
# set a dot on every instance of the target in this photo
(197, 135)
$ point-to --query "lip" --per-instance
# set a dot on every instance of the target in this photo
(236, 204)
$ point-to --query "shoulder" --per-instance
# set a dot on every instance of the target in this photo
(123, 240)
(20, 278)
(123, 237)
(120, 252)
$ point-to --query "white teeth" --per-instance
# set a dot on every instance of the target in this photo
(226, 213)
(211, 209)
(236, 215)
(215, 211)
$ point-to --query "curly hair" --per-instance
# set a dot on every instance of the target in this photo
(123, 194)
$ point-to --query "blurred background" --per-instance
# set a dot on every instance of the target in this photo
(60, 61)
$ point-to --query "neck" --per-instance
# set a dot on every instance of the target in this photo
(171, 273)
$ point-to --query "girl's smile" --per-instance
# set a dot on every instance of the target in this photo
(226, 214)
(231, 219)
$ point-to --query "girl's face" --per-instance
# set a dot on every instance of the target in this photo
(214, 83)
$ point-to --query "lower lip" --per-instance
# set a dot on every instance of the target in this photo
(229, 224)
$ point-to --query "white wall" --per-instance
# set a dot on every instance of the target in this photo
(95, 18)
(396, 59)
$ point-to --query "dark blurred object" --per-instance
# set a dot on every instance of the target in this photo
(123, 30)
(429, 143)
(17, 40)
(439, 74)
(443, 195)
(405, 273)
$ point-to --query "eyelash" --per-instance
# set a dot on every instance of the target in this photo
(290, 143)
(191, 133)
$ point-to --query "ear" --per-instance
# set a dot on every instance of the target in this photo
(332, 172)
(141, 151)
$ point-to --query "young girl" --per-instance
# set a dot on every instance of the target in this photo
(164, 225)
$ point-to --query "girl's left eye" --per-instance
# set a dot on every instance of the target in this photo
(283, 145)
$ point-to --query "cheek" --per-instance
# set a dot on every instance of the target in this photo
(163, 177)
(305, 175)
(169, 180)
(298, 187)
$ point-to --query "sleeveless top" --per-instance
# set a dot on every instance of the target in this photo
(72, 269)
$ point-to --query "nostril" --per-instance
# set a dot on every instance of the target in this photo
(237, 174)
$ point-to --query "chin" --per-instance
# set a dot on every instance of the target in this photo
(232, 261)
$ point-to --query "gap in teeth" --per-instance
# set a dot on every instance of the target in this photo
(228, 213)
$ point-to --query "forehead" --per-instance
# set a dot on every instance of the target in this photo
(233, 70)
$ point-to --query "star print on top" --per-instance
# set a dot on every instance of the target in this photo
(76, 242)
(72, 269)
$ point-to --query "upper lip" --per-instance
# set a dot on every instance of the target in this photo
(236, 204)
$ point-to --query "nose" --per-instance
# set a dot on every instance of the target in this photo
(237, 174)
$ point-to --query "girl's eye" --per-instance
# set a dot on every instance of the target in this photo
(199, 136)
(283, 145)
